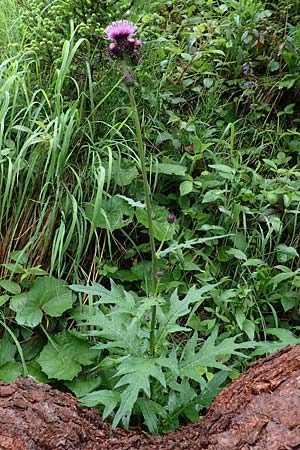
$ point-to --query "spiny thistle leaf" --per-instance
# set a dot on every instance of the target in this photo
(137, 372)
(209, 354)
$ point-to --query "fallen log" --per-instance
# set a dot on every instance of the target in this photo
(258, 411)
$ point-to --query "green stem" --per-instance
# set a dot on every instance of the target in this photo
(141, 151)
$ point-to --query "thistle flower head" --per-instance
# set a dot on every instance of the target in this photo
(120, 30)
(123, 45)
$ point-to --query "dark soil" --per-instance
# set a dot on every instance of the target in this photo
(259, 411)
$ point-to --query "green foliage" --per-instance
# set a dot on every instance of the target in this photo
(218, 89)
(141, 384)
(46, 295)
(63, 357)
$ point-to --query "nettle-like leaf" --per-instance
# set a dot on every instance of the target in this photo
(9, 368)
(63, 357)
(179, 308)
(209, 355)
(125, 174)
(8, 350)
(10, 371)
(113, 214)
(47, 295)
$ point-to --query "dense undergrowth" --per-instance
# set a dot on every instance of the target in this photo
(218, 94)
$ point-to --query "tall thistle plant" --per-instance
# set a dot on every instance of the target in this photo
(126, 49)
(144, 370)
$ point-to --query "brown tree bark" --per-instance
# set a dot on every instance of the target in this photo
(259, 411)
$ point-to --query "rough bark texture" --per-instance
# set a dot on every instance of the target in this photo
(259, 411)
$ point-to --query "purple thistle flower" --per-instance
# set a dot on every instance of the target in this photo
(124, 45)
(120, 30)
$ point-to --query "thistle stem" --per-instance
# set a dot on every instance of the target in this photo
(141, 151)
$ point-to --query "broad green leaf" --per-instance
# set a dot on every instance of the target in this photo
(19, 256)
(4, 299)
(116, 295)
(132, 364)
(135, 372)
(7, 350)
(288, 300)
(63, 358)
(249, 328)
(10, 286)
(14, 267)
(117, 331)
(175, 246)
(185, 188)
(10, 371)
(171, 169)
(35, 371)
(285, 253)
(135, 204)
(226, 172)
(282, 277)
(128, 399)
(124, 173)
(238, 254)
(213, 195)
(254, 262)
(208, 82)
(47, 295)
(285, 337)
(28, 309)
(240, 318)
(83, 385)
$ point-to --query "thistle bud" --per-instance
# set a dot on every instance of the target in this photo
(137, 43)
(113, 50)
(135, 57)
(129, 81)
(171, 218)
(160, 273)
(130, 44)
